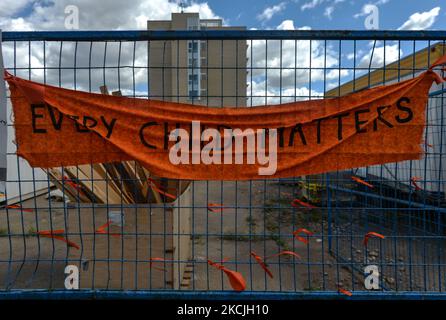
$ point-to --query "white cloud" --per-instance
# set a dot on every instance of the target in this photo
(421, 21)
(314, 3)
(351, 55)
(269, 12)
(281, 67)
(9, 8)
(311, 4)
(286, 25)
(328, 12)
(50, 15)
(263, 94)
(20, 24)
(365, 10)
(381, 55)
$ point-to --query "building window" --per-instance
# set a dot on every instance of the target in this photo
(193, 61)
(193, 94)
(193, 47)
(193, 77)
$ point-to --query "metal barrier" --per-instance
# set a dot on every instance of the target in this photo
(160, 247)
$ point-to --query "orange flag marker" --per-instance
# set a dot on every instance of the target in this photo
(372, 234)
(359, 180)
(262, 263)
(18, 207)
(346, 292)
(57, 234)
(103, 229)
(302, 230)
(235, 278)
(155, 187)
(296, 203)
(215, 207)
(414, 180)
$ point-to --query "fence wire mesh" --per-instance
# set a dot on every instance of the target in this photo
(129, 230)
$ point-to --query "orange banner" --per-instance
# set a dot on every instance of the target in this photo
(59, 127)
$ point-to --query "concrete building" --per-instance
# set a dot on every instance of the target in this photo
(211, 73)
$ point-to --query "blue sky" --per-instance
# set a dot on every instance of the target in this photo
(328, 71)
(316, 14)
(392, 14)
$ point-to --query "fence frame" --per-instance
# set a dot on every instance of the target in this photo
(141, 35)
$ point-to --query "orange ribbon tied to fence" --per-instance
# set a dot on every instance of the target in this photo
(414, 181)
(103, 230)
(215, 207)
(359, 180)
(297, 203)
(302, 230)
(18, 207)
(160, 190)
(262, 263)
(372, 234)
(57, 234)
(235, 278)
(345, 292)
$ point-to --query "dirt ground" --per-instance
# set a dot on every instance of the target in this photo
(256, 217)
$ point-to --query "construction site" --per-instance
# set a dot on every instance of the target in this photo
(127, 229)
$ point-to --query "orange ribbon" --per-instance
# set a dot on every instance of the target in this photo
(56, 234)
(428, 144)
(359, 180)
(236, 279)
(18, 207)
(302, 230)
(346, 292)
(285, 252)
(159, 190)
(439, 62)
(414, 180)
(103, 229)
(372, 234)
(262, 263)
(296, 202)
(215, 207)
(73, 184)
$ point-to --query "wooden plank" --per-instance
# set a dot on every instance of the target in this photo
(56, 179)
(72, 173)
(104, 90)
(99, 185)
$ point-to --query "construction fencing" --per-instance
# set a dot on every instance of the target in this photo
(123, 232)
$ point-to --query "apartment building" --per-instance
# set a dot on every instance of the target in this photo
(211, 73)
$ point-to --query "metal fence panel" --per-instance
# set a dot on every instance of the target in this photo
(161, 247)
